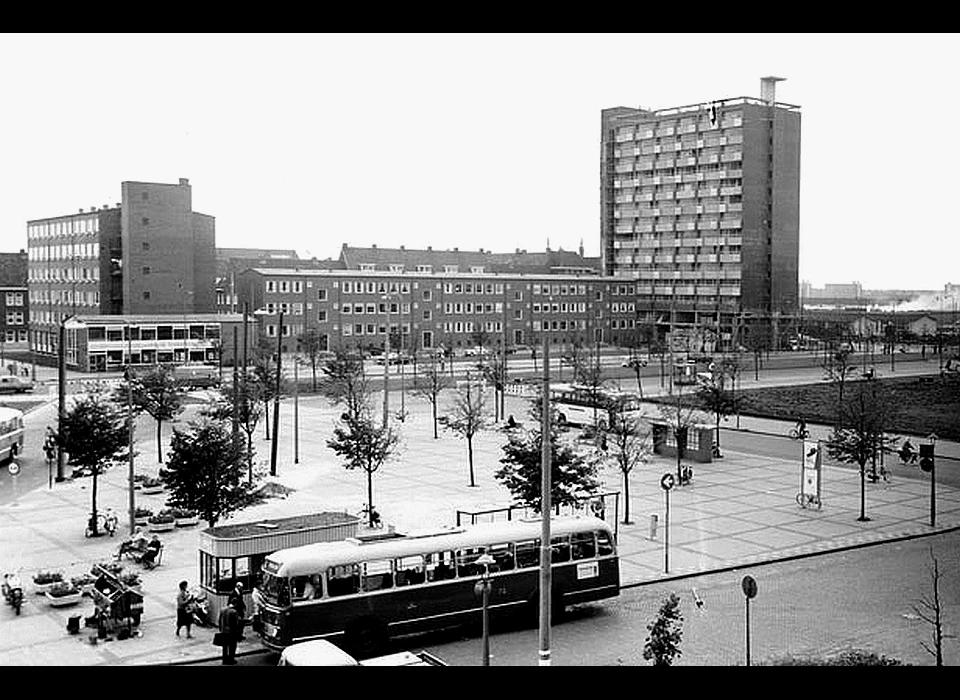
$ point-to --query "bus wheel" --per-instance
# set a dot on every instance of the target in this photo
(366, 636)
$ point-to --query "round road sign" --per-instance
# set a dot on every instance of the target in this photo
(667, 481)
(749, 586)
(13, 468)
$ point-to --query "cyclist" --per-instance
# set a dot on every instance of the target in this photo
(907, 453)
(802, 428)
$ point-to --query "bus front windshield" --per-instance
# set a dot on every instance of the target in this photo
(275, 589)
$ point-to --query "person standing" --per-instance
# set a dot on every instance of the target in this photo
(230, 629)
(236, 599)
(184, 611)
(256, 606)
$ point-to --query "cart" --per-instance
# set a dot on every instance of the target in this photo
(117, 604)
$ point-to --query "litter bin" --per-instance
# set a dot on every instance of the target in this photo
(653, 526)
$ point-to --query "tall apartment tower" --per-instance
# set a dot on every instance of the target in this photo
(149, 254)
(701, 205)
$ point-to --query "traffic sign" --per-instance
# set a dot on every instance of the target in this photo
(667, 481)
(749, 586)
(13, 468)
(926, 457)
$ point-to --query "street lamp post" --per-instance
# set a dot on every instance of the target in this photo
(276, 399)
(61, 389)
(296, 409)
(482, 588)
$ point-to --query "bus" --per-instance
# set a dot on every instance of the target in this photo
(575, 404)
(362, 593)
(11, 433)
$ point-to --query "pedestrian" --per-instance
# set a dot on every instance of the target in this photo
(236, 599)
(230, 631)
(256, 606)
(184, 610)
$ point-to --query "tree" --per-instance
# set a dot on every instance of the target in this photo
(428, 385)
(931, 612)
(866, 415)
(629, 446)
(466, 417)
(716, 398)
(95, 433)
(265, 372)
(573, 476)
(310, 343)
(344, 382)
(588, 372)
(364, 444)
(244, 400)
(158, 393)
(205, 471)
(493, 368)
(680, 416)
(663, 642)
(837, 367)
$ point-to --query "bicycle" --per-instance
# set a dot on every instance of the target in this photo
(369, 519)
(686, 475)
(808, 500)
(796, 434)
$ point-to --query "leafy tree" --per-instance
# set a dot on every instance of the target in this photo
(243, 401)
(663, 642)
(717, 398)
(837, 367)
(344, 382)
(629, 446)
(364, 444)
(931, 612)
(310, 343)
(572, 475)
(205, 471)
(158, 393)
(466, 418)
(428, 385)
(95, 433)
(865, 415)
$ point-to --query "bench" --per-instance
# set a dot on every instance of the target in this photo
(139, 558)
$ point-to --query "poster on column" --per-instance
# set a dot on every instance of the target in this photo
(811, 467)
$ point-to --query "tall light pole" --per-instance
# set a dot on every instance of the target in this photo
(276, 400)
(61, 389)
(386, 364)
(482, 588)
(128, 376)
(545, 506)
(296, 410)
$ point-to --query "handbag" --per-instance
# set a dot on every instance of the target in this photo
(220, 639)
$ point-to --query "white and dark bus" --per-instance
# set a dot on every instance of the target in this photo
(364, 592)
(577, 404)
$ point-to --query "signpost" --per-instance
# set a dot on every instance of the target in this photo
(667, 482)
(927, 465)
(810, 473)
(749, 586)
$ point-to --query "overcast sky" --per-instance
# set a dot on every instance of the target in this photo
(474, 141)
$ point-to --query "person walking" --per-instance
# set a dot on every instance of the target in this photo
(184, 610)
(230, 629)
(236, 599)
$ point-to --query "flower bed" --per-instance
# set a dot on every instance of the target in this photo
(152, 485)
(162, 522)
(141, 516)
(44, 580)
(184, 518)
(84, 583)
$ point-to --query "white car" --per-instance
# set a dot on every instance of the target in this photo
(320, 652)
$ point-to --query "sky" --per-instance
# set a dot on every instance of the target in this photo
(489, 141)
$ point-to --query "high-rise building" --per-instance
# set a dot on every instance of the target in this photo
(700, 204)
(149, 254)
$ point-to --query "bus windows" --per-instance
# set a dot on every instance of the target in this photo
(306, 587)
(528, 554)
(560, 549)
(343, 580)
(583, 545)
(409, 570)
(604, 543)
(503, 557)
(440, 566)
(467, 561)
(377, 575)
(275, 588)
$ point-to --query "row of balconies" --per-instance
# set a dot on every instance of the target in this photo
(702, 125)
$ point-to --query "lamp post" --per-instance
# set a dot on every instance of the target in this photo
(61, 389)
(276, 400)
(482, 588)
(296, 409)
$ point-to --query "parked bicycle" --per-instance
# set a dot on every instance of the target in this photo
(808, 500)
(686, 475)
(798, 434)
(369, 519)
(106, 524)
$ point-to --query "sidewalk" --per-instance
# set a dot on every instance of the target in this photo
(739, 511)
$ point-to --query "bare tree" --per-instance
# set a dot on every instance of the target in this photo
(931, 612)
(837, 367)
(588, 372)
(344, 382)
(466, 418)
(311, 345)
(680, 416)
(428, 385)
(629, 446)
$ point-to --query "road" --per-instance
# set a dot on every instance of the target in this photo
(861, 598)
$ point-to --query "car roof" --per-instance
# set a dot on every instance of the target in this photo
(316, 652)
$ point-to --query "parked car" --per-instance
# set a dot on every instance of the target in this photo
(15, 385)
(320, 652)
(477, 351)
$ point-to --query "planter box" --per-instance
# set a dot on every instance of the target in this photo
(42, 588)
(63, 600)
(162, 527)
(187, 522)
(141, 520)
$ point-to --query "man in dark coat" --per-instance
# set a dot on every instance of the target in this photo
(230, 627)
(239, 604)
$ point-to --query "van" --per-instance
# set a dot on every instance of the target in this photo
(320, 652)
(15, 385)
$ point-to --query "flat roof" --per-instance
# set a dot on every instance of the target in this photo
(288, 524)
(120, 320)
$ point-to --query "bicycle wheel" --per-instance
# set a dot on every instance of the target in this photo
(800, 500)
(793, 434)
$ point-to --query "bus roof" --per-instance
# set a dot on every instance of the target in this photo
(307, 559)
(6, 413)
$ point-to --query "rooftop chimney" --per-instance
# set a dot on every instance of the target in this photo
(402, 248)
(768, 89)
(456, 250)
(429, 247)
(119, 204)
(184, 182)
(80, 210)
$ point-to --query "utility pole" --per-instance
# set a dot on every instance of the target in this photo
(236, 386)
(545, 507)
(276, 400)
(62, 391)
(129, 378)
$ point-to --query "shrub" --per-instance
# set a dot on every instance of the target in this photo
(45, 577)
(849, 657)
(182, 513)
(58, 590)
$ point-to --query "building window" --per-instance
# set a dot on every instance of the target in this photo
(322, 315)
(146, 270)
(145, 245)
(297, 287)
(146, 296)
(271, 286)
(347, 308)
(518, 314)
(284, 287)
(426, 295)
(427, 314)
(367, 267)
(271, 331)
(518, 296)
(346, 287)
(145, 196)
(321, 295)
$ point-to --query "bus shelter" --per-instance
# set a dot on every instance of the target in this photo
(695, 441)
(234, 553)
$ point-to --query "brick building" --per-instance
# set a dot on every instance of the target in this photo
(14, 300)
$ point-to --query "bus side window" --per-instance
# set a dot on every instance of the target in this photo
(440, 566)
(528, 554)
(604, 543)
(343, 580)
(466, 561)
(410, 570)
(377, 575)
(560, 549)
(297, 584)
(583, 546)
(503, 557)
